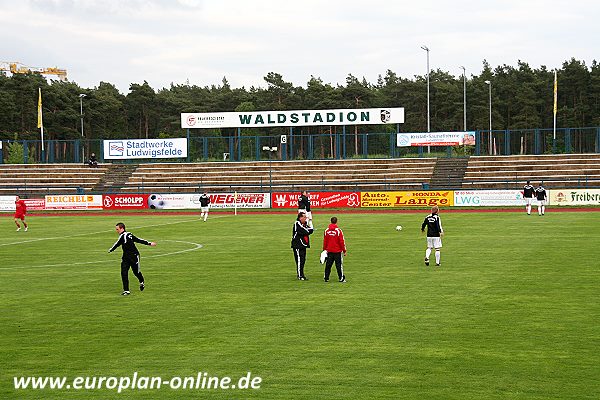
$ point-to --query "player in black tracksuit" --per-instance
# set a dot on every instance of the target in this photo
(131, 256)
(204, 206)
(301, 242)
(528, 192)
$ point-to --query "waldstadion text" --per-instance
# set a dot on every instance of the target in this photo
(360, 116)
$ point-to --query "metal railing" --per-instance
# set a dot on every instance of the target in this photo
(337, 145)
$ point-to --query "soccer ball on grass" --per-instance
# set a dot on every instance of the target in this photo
(399, 228)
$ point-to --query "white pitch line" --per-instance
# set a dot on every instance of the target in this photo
(105, 231)
(197, 246)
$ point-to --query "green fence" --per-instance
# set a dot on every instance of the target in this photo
(345, 145)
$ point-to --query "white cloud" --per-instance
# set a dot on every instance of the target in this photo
(162, 41)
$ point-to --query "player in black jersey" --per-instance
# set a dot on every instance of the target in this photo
(304, 206)
(204, 205)
(434, 234)
(528, 192)
(131, 256)
(542, 198)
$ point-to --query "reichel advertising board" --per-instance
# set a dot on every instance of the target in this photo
(74, 202)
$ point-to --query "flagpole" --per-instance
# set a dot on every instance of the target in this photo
(41, 122)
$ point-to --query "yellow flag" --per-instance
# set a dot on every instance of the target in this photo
(555, 92)
(40, 122)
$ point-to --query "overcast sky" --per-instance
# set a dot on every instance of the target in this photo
(202, 41)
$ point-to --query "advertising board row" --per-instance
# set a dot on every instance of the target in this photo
(289, 200)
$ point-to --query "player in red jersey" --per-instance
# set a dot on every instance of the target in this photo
(21, 210)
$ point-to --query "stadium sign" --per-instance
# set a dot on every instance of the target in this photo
(360, 116)
(435, 139)
(317, 199)
(126, 149)
(476, 198)
(125, 201)
(187, 201)
(407, 199)
(7, 203)
(74, 202)
(574, 197)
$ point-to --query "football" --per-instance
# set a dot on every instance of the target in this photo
(155, 201)
(399, 228)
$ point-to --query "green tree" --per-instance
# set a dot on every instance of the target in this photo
(141, 109)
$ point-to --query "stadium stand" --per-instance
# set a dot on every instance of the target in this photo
(42, 179)
(369, 174)
(510, 172)
(481, 172)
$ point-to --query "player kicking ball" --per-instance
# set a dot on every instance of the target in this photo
(131, 256)
(434, 235)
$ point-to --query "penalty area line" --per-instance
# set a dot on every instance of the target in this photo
(104, 231)
(195, 246)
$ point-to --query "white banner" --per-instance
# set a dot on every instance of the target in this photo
(221, 200)
(7, 203)
(466, 198)
(145, 148)
(359, 116)
(435, 139)
(574, 197)
(74, 202)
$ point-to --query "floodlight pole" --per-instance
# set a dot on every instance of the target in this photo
(81, 96)
(464, 98)
(271, 150)
(489, 83)
(428, 115)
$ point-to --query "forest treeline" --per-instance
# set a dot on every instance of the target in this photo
(522, 98)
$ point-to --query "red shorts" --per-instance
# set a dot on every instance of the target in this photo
(20, 216)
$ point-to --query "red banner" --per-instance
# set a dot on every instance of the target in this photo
(124, 201)
(317, 199)
(35, 204)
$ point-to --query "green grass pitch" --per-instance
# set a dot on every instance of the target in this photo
(513, 312)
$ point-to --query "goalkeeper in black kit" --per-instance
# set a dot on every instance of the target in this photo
(131, 256)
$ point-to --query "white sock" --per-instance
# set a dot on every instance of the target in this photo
(539, 210)
(205, 216)
(427, 253)
(543, 209)
(528, 208)
(437, 256)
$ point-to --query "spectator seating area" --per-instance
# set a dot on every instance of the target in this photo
(369, 174)
(484, 172)
(555, 170)
(43, 179)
